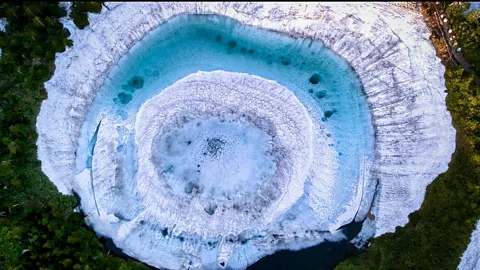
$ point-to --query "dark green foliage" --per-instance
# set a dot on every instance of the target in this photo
(80, 19)
(38, 228)
(467, 30)
(438, 234)
(95, 7)
(79, 12)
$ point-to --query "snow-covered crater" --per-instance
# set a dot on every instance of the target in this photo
(308, 123)
(229, 188)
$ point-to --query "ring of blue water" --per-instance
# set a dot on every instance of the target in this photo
(324, 83)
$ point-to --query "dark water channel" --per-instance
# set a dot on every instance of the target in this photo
(324, 256)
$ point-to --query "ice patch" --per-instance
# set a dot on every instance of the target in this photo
(471, 257)
(220, 157)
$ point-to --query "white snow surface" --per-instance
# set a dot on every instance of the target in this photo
(387, 46)
(3, 24)
(271, 107)
(471, 257)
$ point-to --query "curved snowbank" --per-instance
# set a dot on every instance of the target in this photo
(387, 46)
(471, 257)
(219, 160)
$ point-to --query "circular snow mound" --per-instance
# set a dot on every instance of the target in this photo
(225, 151)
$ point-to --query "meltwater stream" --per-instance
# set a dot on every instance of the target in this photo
(325, 85)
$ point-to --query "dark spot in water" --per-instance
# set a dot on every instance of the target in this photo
(321, 94)
(215, 146)
(164, 232)
(142, 222)
(328, 113)
(314, 79)
(310, 91)
(284, 61)
(198, 165)
(231, 238)
(136, 82)
(328, 135)
(188, 188)
(124, 98)
(181, 238)
(189, 142)
(243, 50)
(269, 59)
(128, 88)
(340, 153)
(222, 264)
(218, 38)
(324, 119)
(232, 44)
(121, 217)
(210, 209)
(170, 169)
(251, 51)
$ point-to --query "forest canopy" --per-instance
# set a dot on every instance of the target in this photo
(38, 226)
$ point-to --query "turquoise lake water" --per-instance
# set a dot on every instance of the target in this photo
(324, 83)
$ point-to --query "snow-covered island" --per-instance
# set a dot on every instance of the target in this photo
(220, 168)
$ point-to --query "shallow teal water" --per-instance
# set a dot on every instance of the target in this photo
(322, 81)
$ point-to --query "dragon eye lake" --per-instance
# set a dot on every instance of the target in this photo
(212, 135)
(324, 84)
